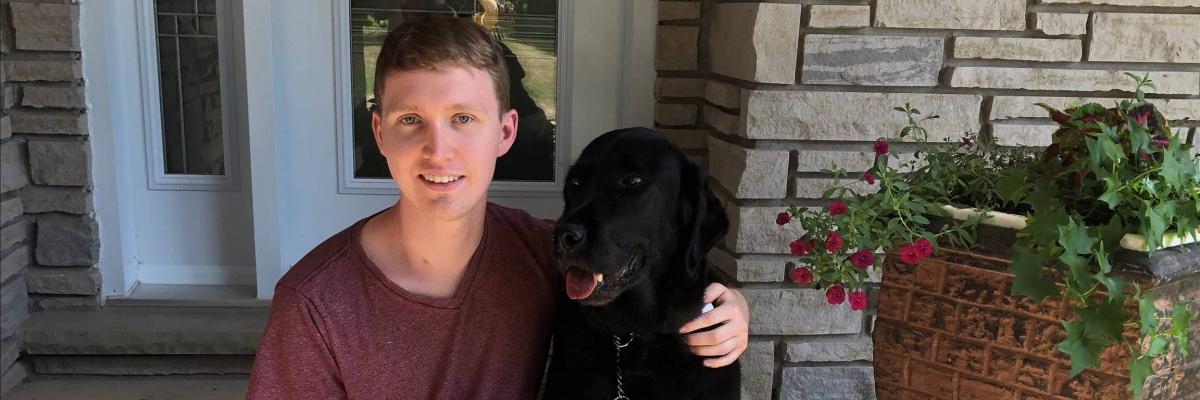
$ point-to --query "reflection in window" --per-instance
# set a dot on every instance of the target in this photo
(526, 29)
(190, 82)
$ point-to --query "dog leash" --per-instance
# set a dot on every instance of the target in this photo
(620, 381)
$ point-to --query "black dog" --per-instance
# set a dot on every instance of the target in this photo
(638, 221)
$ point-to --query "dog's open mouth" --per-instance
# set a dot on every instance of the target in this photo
(581, 284)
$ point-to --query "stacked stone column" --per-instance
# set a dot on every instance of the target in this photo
(768, 94)
(50, 244)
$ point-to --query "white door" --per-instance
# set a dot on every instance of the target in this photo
(169, 75)
(301, 60)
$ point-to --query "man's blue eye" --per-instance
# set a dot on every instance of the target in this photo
(408, 120)
(462, 119)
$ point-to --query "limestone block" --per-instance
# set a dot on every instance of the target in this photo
(1169, 38)
(827, 349)
(83, 281)
(1032, 49)
(42, 199)
(756, 42)
(67, 240)
(43, 71)
(59, 123)
(1062, 23)
(853, 116)
(1083, 80)
(677, 47)
(723, 94)
(59, 163)
(848, 382)
(748, 173)
(679, 87)
(753, 230)
(799, 311)
(839, 16)
(13, 169)
(677, 10)
(69, 97)
(951, 14)
(751, 267)
(872, 60)
(47, 27)
(758, 370)
(675, 114)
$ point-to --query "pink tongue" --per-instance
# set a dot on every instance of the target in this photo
(580, 284)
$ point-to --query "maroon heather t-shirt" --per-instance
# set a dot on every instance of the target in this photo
(340, 329)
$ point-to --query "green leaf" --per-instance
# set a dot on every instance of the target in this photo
(1084, 349)
(1106, 320)
(1028, 279)
(1139, 369)
(1012, 187)
(1148, 313)
(1080, 267)
(1174, 171)
(1181, 320)
(1074, 238)
(1157, 345)
(1111, 233)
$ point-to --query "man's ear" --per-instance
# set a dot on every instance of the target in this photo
(704, 220)
(508, 131)
(377, 130)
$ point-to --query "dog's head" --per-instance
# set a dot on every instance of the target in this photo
(637, 212)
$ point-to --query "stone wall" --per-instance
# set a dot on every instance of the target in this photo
(767, 94)
(50, 243)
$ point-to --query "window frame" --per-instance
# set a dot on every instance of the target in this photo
(344, 129)
(156, 177)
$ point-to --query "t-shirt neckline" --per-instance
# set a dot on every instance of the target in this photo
(460, 292)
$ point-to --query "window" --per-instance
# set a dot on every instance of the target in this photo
(528, 31)
(189, 144)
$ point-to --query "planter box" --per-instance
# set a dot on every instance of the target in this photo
(948, 328)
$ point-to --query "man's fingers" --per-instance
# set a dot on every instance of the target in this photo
(718, 315)
(719, 349)
(708, 338)
(723, 360)
(714, 291)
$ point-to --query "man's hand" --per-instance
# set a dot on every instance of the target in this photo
(731, 321)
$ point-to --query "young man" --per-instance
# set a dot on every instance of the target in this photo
(443, 295)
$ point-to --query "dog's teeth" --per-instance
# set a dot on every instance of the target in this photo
(599, 277)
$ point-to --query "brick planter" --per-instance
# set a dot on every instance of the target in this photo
(949, 329)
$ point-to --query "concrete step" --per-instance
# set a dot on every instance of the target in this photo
(139, 365)
(125, 388)
(146, 331)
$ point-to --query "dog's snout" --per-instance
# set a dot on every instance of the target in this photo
(568, 237)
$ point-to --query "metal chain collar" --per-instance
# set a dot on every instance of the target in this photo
(620, 381)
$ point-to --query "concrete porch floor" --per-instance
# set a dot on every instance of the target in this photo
(131, 388)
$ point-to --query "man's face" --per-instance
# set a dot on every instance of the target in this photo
(441, 132)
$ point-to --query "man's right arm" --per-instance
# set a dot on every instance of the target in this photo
(294, 361)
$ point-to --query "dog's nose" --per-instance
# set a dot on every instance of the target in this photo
(568, 237)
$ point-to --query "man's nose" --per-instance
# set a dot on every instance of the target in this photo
(439, 144)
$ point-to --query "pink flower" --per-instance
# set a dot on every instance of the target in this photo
(966, 141)
(837, 208)
(1160, 142)
(858, 300)
(881, 147)
(799, 248)
(836, 294)
(783, 218)
(909, 255)
(867, 177)
(802, 276)
(833, 242)
(924, 248)
(862, 259)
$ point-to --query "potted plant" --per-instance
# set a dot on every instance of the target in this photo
(1114, 178)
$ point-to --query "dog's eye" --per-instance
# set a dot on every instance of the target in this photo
(631, 181)
(575, 182)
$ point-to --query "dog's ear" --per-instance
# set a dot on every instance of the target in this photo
(704, 221)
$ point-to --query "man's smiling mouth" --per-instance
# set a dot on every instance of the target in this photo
(441, 178)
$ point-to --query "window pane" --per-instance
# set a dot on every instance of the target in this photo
(527, 29)
(190, 81)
